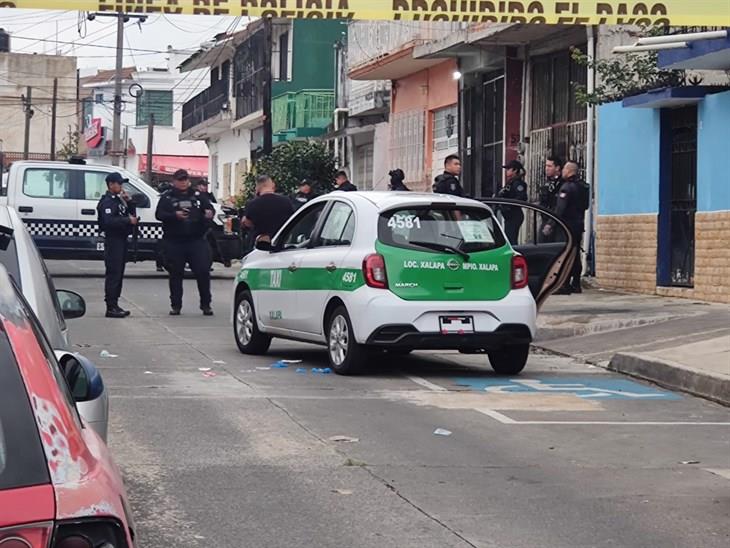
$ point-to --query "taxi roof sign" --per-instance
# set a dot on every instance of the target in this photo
(569, 12)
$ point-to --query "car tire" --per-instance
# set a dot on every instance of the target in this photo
(346, 356)
(245, 328)
(509, 360)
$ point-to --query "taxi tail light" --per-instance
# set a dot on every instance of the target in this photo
(519, 272)
(373, 269)
(37, 535)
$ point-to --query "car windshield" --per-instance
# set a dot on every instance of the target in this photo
(440, 228)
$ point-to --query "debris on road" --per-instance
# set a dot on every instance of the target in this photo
(320, 371)
(279, 365)
(203, 369)
(107, 354)
(342, 491)
(219, 362)
(290, 362)
(354, 462)
(263, 368)
(690, 462)
(210, 374)
(301, 370)
(148, 373)
(345, 439)
(442, 432)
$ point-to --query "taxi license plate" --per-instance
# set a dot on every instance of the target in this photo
(456, 324)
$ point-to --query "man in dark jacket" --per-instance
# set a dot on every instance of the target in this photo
(185, 214)
(573, 201)
(514, 189)
(397, 178)
(343, 183)
(204, 188)
(117, 219)
(448, 181)
(267, 213)
(304, 194)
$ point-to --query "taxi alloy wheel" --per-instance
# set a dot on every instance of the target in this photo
(248, 337)
(346, 356)
(510, 359)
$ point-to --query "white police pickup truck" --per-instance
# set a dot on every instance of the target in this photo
(57, 202)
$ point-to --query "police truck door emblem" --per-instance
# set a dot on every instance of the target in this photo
(453, 264)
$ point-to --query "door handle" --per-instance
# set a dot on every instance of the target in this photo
(331, 267)
(25, 209)
(88, 211)
(293, 267)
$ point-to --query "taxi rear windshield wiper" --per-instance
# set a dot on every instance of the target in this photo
(443, 247)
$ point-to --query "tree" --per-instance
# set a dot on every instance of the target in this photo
(289, 163)
(70, 146)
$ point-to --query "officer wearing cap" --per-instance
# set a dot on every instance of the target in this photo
(117, 218)
(304, 195)
(185, 214)
(515, 188)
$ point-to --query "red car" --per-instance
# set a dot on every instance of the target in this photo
(59, 487)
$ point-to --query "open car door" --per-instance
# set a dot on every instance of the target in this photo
(542, 238)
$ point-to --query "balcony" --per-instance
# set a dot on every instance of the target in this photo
(207, 113)
(302, 114)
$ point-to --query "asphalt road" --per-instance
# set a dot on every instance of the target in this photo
(565, 456)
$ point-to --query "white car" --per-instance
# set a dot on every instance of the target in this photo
(372, 271)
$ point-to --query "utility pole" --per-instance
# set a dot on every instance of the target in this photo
(28, 108)
(54, 105)
(150, 136)
(122, 18)
(268, 133)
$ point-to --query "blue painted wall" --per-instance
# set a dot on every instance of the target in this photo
(713, 153)
(628, 160)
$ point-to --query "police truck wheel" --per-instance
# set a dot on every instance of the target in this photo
(346, 356)
(509, 360)
(248, 337)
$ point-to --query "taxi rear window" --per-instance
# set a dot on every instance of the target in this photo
(439, 228)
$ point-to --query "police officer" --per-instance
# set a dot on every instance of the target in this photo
(343, 183)
(304, 194)
(573, 198)
(514, 189)
(548, 191)
(397, 178)
(185, 214)
(203, 187)
(117, 219)
(448, 181)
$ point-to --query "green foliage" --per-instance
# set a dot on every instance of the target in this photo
(288, 164)
(70, 146)
(623, 76)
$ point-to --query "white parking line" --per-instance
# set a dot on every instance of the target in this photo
(504, 419)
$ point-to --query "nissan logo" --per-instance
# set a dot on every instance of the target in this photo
(452, 264)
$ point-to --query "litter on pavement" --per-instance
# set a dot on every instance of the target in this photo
(342, 491)
(442, 432)
(690, 462)
(219, 362)
(345, 439)
(290, 362)
(148, 373)
(279, 365)
(107, 354)
(301, 370)
(320, 371)
(263, 368)
(204, 369)
(210, 374)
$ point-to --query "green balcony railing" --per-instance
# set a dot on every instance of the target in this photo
(307, 109)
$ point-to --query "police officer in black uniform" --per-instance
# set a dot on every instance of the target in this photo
(514, 189)
(117, 219)
(185, 214)
(343, 183)
(397, 178)
(573, 201)
(448, 181)
(203, 187)
(304, 194)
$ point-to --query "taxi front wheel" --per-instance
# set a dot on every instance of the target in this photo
(509, 360)
(346, 356)
(245, 328)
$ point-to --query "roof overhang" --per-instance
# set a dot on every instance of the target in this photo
(699, 55)
(223, 49)
(391, 66)
(670, 97)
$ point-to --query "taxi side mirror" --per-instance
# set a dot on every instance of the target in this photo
(263, 245)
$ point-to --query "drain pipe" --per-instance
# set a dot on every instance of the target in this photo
(589, 265)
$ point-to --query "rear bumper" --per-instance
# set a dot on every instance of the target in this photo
(407, 336)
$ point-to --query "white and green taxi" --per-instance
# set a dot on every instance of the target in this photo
(366, 272)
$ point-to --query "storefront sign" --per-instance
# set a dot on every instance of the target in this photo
(580, 12)
(94, 134)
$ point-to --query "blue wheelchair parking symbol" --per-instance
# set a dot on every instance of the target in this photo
(583, 387)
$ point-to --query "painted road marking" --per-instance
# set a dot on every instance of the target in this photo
(723, 473)
(583, 387)
(504, 419)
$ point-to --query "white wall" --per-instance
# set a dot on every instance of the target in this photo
(231, 148)
(381, 156)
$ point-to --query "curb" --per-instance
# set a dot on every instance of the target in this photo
(672, 375)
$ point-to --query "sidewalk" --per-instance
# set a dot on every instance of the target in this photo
(678, 343)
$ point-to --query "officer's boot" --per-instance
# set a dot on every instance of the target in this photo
(116, 312)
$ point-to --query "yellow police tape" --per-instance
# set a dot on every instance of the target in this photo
(580, 12)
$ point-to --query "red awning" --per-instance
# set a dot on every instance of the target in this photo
(196, 166)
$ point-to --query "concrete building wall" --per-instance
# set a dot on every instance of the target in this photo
(17, 72)
(229, 161)
(713, 154)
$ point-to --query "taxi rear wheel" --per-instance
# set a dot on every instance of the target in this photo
(509, 360)
(245, 328)
(346, 356)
